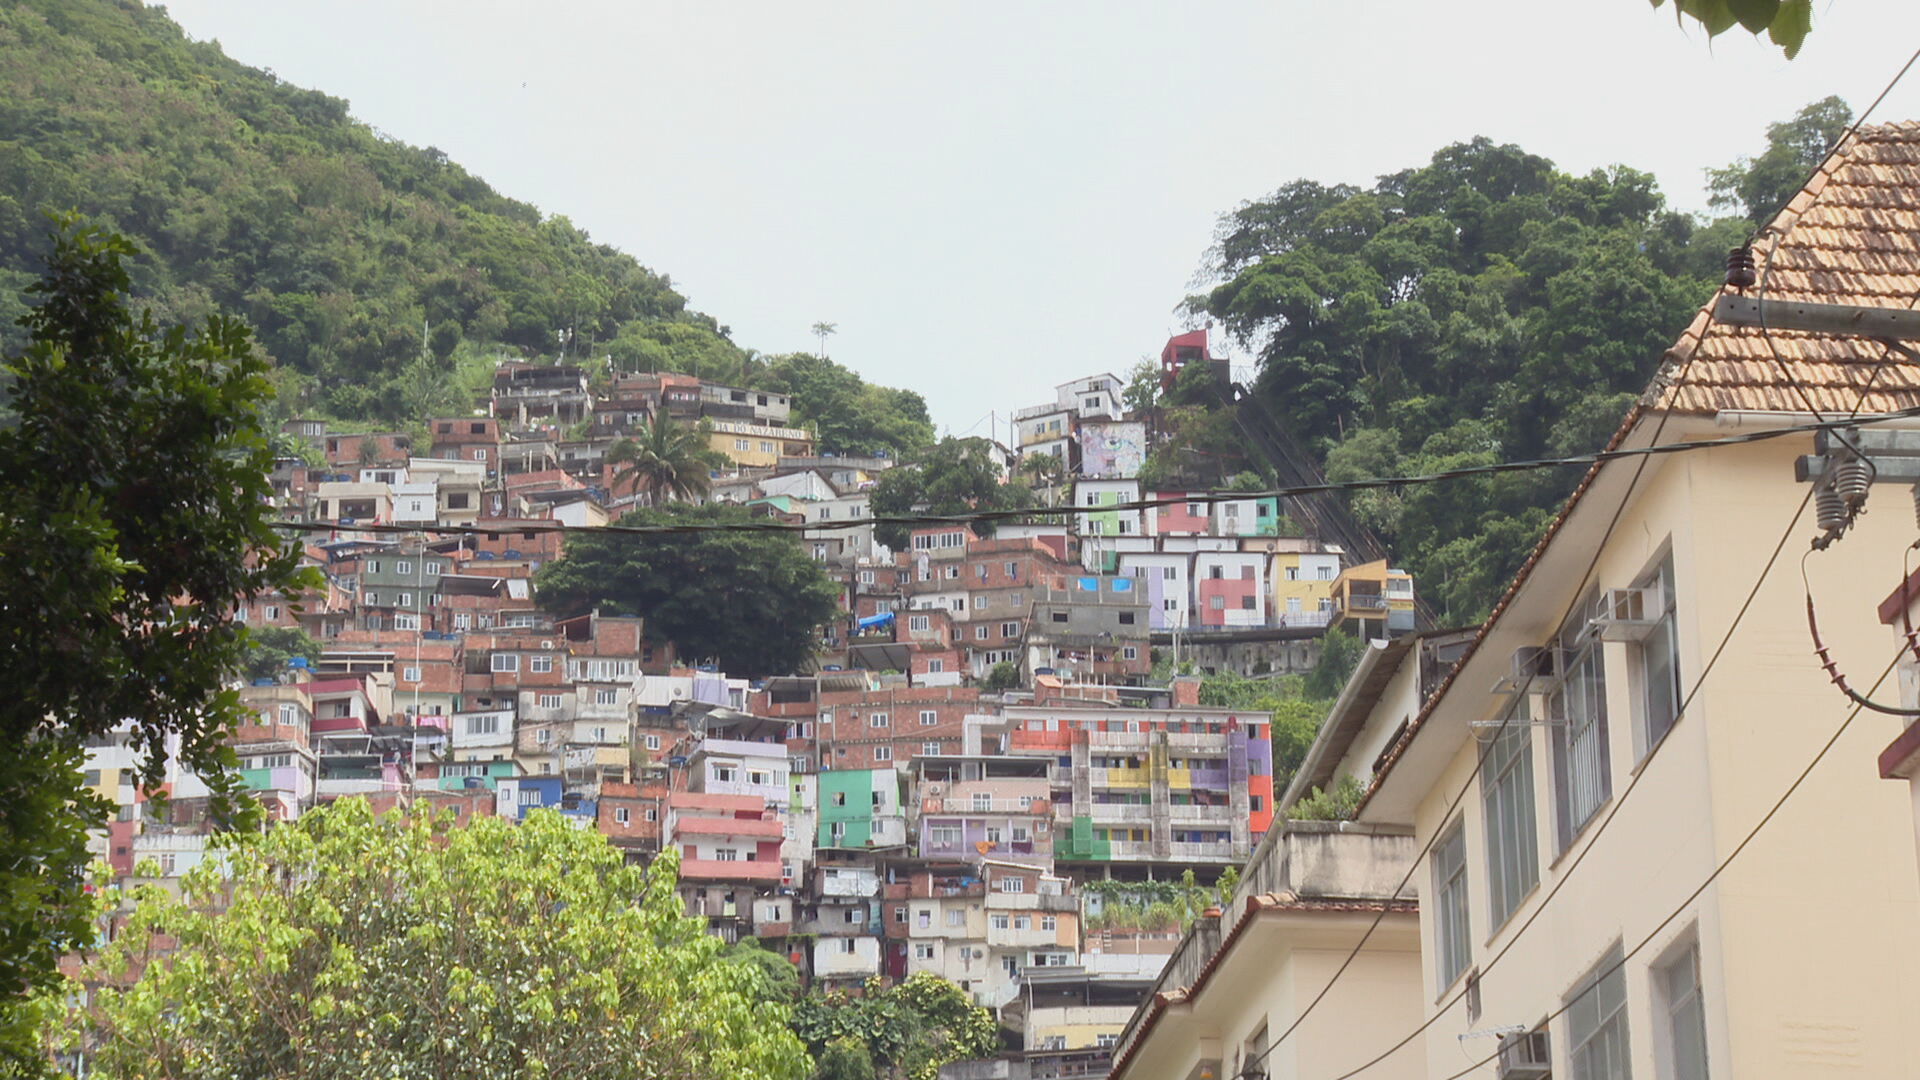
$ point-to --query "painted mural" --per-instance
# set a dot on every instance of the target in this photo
(1112, 450)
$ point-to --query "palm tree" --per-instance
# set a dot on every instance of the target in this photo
(823, 331)
(665, 463)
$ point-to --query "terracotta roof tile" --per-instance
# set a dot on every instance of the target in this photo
(1848, 237)
(1852, 236)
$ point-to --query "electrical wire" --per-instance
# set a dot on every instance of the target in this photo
(1659, 928)
(972, 516)
(1486, 748)
(1599, 830)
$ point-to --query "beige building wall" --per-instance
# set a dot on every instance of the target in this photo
(1806, 941)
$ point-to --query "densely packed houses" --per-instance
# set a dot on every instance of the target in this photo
(884, 814)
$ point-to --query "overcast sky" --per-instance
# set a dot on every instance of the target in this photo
(989, 199)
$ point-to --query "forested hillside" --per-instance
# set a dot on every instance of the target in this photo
(1484, 307)
(381, 277)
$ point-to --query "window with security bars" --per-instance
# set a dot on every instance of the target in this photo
(1597, 1022)
(1578, 716)
(1450, 905)
(1660, 692)
(1506, 793)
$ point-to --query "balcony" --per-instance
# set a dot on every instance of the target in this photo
(1201, 852)
(729, 870)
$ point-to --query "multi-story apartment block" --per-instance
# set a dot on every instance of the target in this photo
(753, 445)
(729, 847)
(1374, 600)
(972, 807)
(1096, 629)
(1230, 588)
(887, 727)
(1186, 785)
(531, 395)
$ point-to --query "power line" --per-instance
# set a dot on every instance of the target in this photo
(972, 516)
(1639, 773)
(1719, 869)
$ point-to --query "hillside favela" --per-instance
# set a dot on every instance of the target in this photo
(1465, 628)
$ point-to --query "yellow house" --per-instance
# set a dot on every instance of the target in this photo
(757, 446)
(1373, 600)
(1652, 845)
(1303, 587)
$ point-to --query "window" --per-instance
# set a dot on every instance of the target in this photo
(930, 749)
(373, 598)
(540, 665)
(653, 742)
(1246, 603)
(1506, 791)
(726, 855)
(979, 601)
(549, 701)
(944, 835)
(406, 622)
(980, 632)
(1217, 603)
(606, 697)
(432, 567)
(410, 674)
(956, 917)
(403, 566)
(1008, 629)
(929, 717)
(740, 444)
(883, 753)
(543, 736)
(289, 714)
(982, 802)
(1597, 1022)
(652, 814)
(923, 950)
(462, 620)
(1130, 652)
(483, 725)
(999, 922)
(1049, 922)
(479, 454)
(1450, 905)
(877, 720)
(1677, 989)
(1126, 617)
(1579, 712)
(935, 667)
(724, 773)
(506, 662)
(918, 622)
(1057, 616)
(1013, 885)
(621, 814)
(1660, 666)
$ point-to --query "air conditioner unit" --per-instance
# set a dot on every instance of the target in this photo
(1527, 1056)
(1626, 614)
(1535, 669)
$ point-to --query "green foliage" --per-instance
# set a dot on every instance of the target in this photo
(1340, 804)
(133, 514)
(1142, 392)
(668, 461)
(1004, 676)
(952, 476)
(1482, 307)
(1295, 703)
(848, 414)
(1339, 654)
(345, 945)
(270, 647)
(908, 1030)
(1786, 22)
(1157, 905)
(1760, 186)
(751, 601)
(361, 261)
(778, 979)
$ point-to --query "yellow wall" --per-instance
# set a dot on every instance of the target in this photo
(1805, 941)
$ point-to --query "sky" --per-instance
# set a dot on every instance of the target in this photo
(990, 199)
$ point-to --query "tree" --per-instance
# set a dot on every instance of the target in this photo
(751, 601)
(822, 331)
(345, 945)
(909, 1029)
(952, 476)
(1339, 655)
(1142, 392)
(1786, 22)
(848, 414)
(134, 513)
(1004, 676)
(1760, 186)
(270, 647)
(668, 461)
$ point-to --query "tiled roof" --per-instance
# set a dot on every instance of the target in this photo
(1851, 236)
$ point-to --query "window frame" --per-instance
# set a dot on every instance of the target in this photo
(1602, 991)
(1664, 641)
(1453, 938)
(1509, 816)
(1577, 799)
